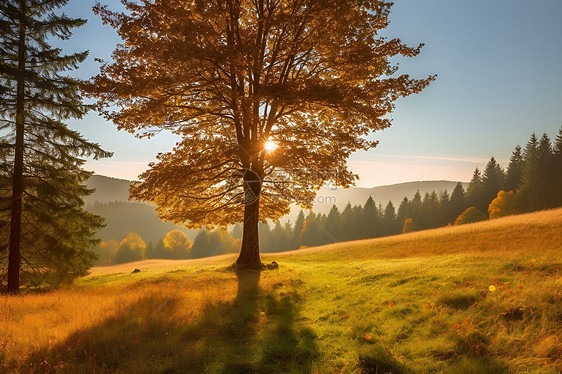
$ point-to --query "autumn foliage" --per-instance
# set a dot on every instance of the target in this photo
(312, 76)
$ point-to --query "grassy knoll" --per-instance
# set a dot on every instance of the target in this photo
(481, 298)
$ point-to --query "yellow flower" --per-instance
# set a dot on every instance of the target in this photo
(492, 288)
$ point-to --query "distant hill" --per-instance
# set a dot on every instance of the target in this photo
(107, 189)
(110, 200)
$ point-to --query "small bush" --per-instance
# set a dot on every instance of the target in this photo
(470, 215)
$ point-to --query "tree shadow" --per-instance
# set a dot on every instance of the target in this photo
(253, 333)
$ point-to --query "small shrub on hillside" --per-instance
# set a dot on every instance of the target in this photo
(505, 204)
(471, 215)
(409, 226)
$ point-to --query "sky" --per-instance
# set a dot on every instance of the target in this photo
(499, 79)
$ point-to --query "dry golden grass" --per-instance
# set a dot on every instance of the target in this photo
(326, 309)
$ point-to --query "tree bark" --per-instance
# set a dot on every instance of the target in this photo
(14, 257)
(249, 257)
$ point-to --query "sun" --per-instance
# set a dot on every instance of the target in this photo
(270, 146)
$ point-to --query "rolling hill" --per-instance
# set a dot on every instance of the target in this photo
(478, 298)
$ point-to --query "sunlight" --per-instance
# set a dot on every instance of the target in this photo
(270, 146)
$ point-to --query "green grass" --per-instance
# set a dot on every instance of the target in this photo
(416, 303)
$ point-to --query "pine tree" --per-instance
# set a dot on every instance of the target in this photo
(443, 208)
(514, 168)
(530, 175)
(457, 203)
(370, 222)
(493, 181)
(333, 223)
(557, 169)
(348, 223)
(297, 231)
(390, 226)
(50, 232)
(475, 192)
(404, 212)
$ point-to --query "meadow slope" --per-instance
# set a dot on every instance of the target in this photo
(479, 298)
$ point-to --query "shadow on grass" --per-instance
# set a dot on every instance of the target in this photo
(254, 333)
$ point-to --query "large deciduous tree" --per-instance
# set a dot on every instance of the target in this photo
(41, 175)
(228, 76)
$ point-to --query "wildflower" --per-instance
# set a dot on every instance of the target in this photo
(492, 288)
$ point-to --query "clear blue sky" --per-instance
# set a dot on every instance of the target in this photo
(499, 66)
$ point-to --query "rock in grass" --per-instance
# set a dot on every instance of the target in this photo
(272, 265)
(135, 271)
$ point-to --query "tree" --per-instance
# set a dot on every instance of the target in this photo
(176, 245)
(457, 203)
(513, 174)
(237, 79)
(505, 204)
(389, 220)
(333, 222)
(41, 157)
(370, 222)
(311, 235)
(106, 251)
(131, 248)
(530, 175)
(475, 194)
(471, 215)
(409, 226)
(557, 169)
(297, 230)
(492, 181)
(545, 173)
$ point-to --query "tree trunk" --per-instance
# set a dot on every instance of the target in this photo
(14, 257)
(250, 252)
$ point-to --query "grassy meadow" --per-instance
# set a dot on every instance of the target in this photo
(479, 298)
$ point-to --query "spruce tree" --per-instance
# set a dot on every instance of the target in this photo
(390, 226)
(529, 175)
(557, 168)
(457, 203)
(297, 231)
(370, 222)
(493, 181)
(475, 192)
(333, 222)
(50, 232)
(513, 174)
(546, 176)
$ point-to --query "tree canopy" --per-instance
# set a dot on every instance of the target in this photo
(314, 77)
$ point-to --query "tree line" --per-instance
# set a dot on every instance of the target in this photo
(532, 181)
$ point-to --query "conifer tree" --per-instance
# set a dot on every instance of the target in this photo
(514, 168)
(297, 230)
(370, 222)
(42, 158)
(475, 192)
(530, 175)
(493, 181)
(333, 222)
(545, 173)
(389, 220)
(457, 203)
(557, 168)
